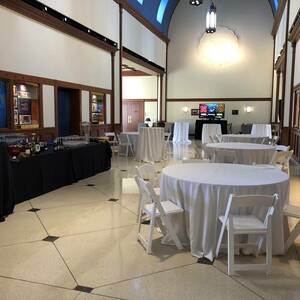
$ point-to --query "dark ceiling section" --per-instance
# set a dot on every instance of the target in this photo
(149, 10)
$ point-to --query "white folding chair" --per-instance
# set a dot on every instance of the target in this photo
(124, 142)
(293, 212)
(210, 130)
(113, 140)
(147, 172)
(224, 156)
(158, 212)
(248, 224)
(262, 130)
(281, 159)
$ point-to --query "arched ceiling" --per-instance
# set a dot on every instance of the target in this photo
(162, 10)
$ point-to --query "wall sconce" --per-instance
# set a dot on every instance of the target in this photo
(248, 109)
(185, 109)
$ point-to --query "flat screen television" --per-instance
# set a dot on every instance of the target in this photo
(212, 110)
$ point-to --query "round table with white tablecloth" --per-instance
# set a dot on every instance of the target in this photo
(202, 190)
(181, 133)
(246, 153)
(151, 144)
(243, 138)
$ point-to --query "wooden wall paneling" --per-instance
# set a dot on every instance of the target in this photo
(294, 35)
(218, 99)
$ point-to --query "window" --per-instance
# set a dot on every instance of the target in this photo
(161, 10)
(276, 4)
(140, 1)
(26, 106)
(3, 106)
(296, 110)
(98, 108)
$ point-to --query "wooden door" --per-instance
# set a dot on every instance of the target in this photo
(133, 114)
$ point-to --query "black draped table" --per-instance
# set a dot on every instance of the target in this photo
(45, 172)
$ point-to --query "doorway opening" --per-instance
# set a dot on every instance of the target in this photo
(68, 111)
(139, 95)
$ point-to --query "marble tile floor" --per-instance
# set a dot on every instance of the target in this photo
(79, 242)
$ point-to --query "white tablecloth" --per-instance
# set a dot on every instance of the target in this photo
(262, 129)
(242, 138)
(181, 133)
(210, 130)
(246, 153)
(151, 144)
(202, 190)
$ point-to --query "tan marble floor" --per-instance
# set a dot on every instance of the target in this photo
(79, 245)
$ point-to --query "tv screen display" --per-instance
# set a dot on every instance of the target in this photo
(220, 111)
(203, 110)
(211, 109)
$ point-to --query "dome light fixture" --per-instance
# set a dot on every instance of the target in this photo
(211, 19)
(196, 2)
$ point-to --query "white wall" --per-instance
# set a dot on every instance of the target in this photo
(100, 15)
(297, 65)
(294, 7)
(85, 106)
(139, 87)
(34, 49)
(150, 110)
(48, 106)
(260, 113)
(281, 34)
(250, 77)
(142, 41)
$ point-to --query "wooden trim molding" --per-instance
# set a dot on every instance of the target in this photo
(294, 35)
(292, 84)
(47, 19)
(48, 81)
(278, 16)
(112, 98)
(131, 10)
(280, 62)
(219, 99)
(142, 61)
(135, 73)
(120, 63)
(145, 100)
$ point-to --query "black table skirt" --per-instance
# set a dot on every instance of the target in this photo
(48, 171)
(6, 183)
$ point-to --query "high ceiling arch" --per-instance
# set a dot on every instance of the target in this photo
(160, 12)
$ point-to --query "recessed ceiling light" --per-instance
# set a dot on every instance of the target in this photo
(196, 2)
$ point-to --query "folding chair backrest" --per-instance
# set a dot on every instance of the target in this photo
(123, 138)
(255, 203)
(275, 139)
(147, 172)
(147, 189)
(282, 157)
(144, 195)
(225, 156)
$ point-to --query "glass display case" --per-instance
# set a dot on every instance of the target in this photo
(98, 108)
(26, 106)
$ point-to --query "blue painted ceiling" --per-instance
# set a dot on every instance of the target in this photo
(162, 10)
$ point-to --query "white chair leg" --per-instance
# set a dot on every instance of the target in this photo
(170, 230)
(139, 213)
(220, 240)
(150, 236)
(127, 148)
(294, 234)
(230, 252)
(269, 252)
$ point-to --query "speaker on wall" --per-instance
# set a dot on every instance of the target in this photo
(235, 112)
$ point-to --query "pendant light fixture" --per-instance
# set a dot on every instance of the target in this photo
(211, 19)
